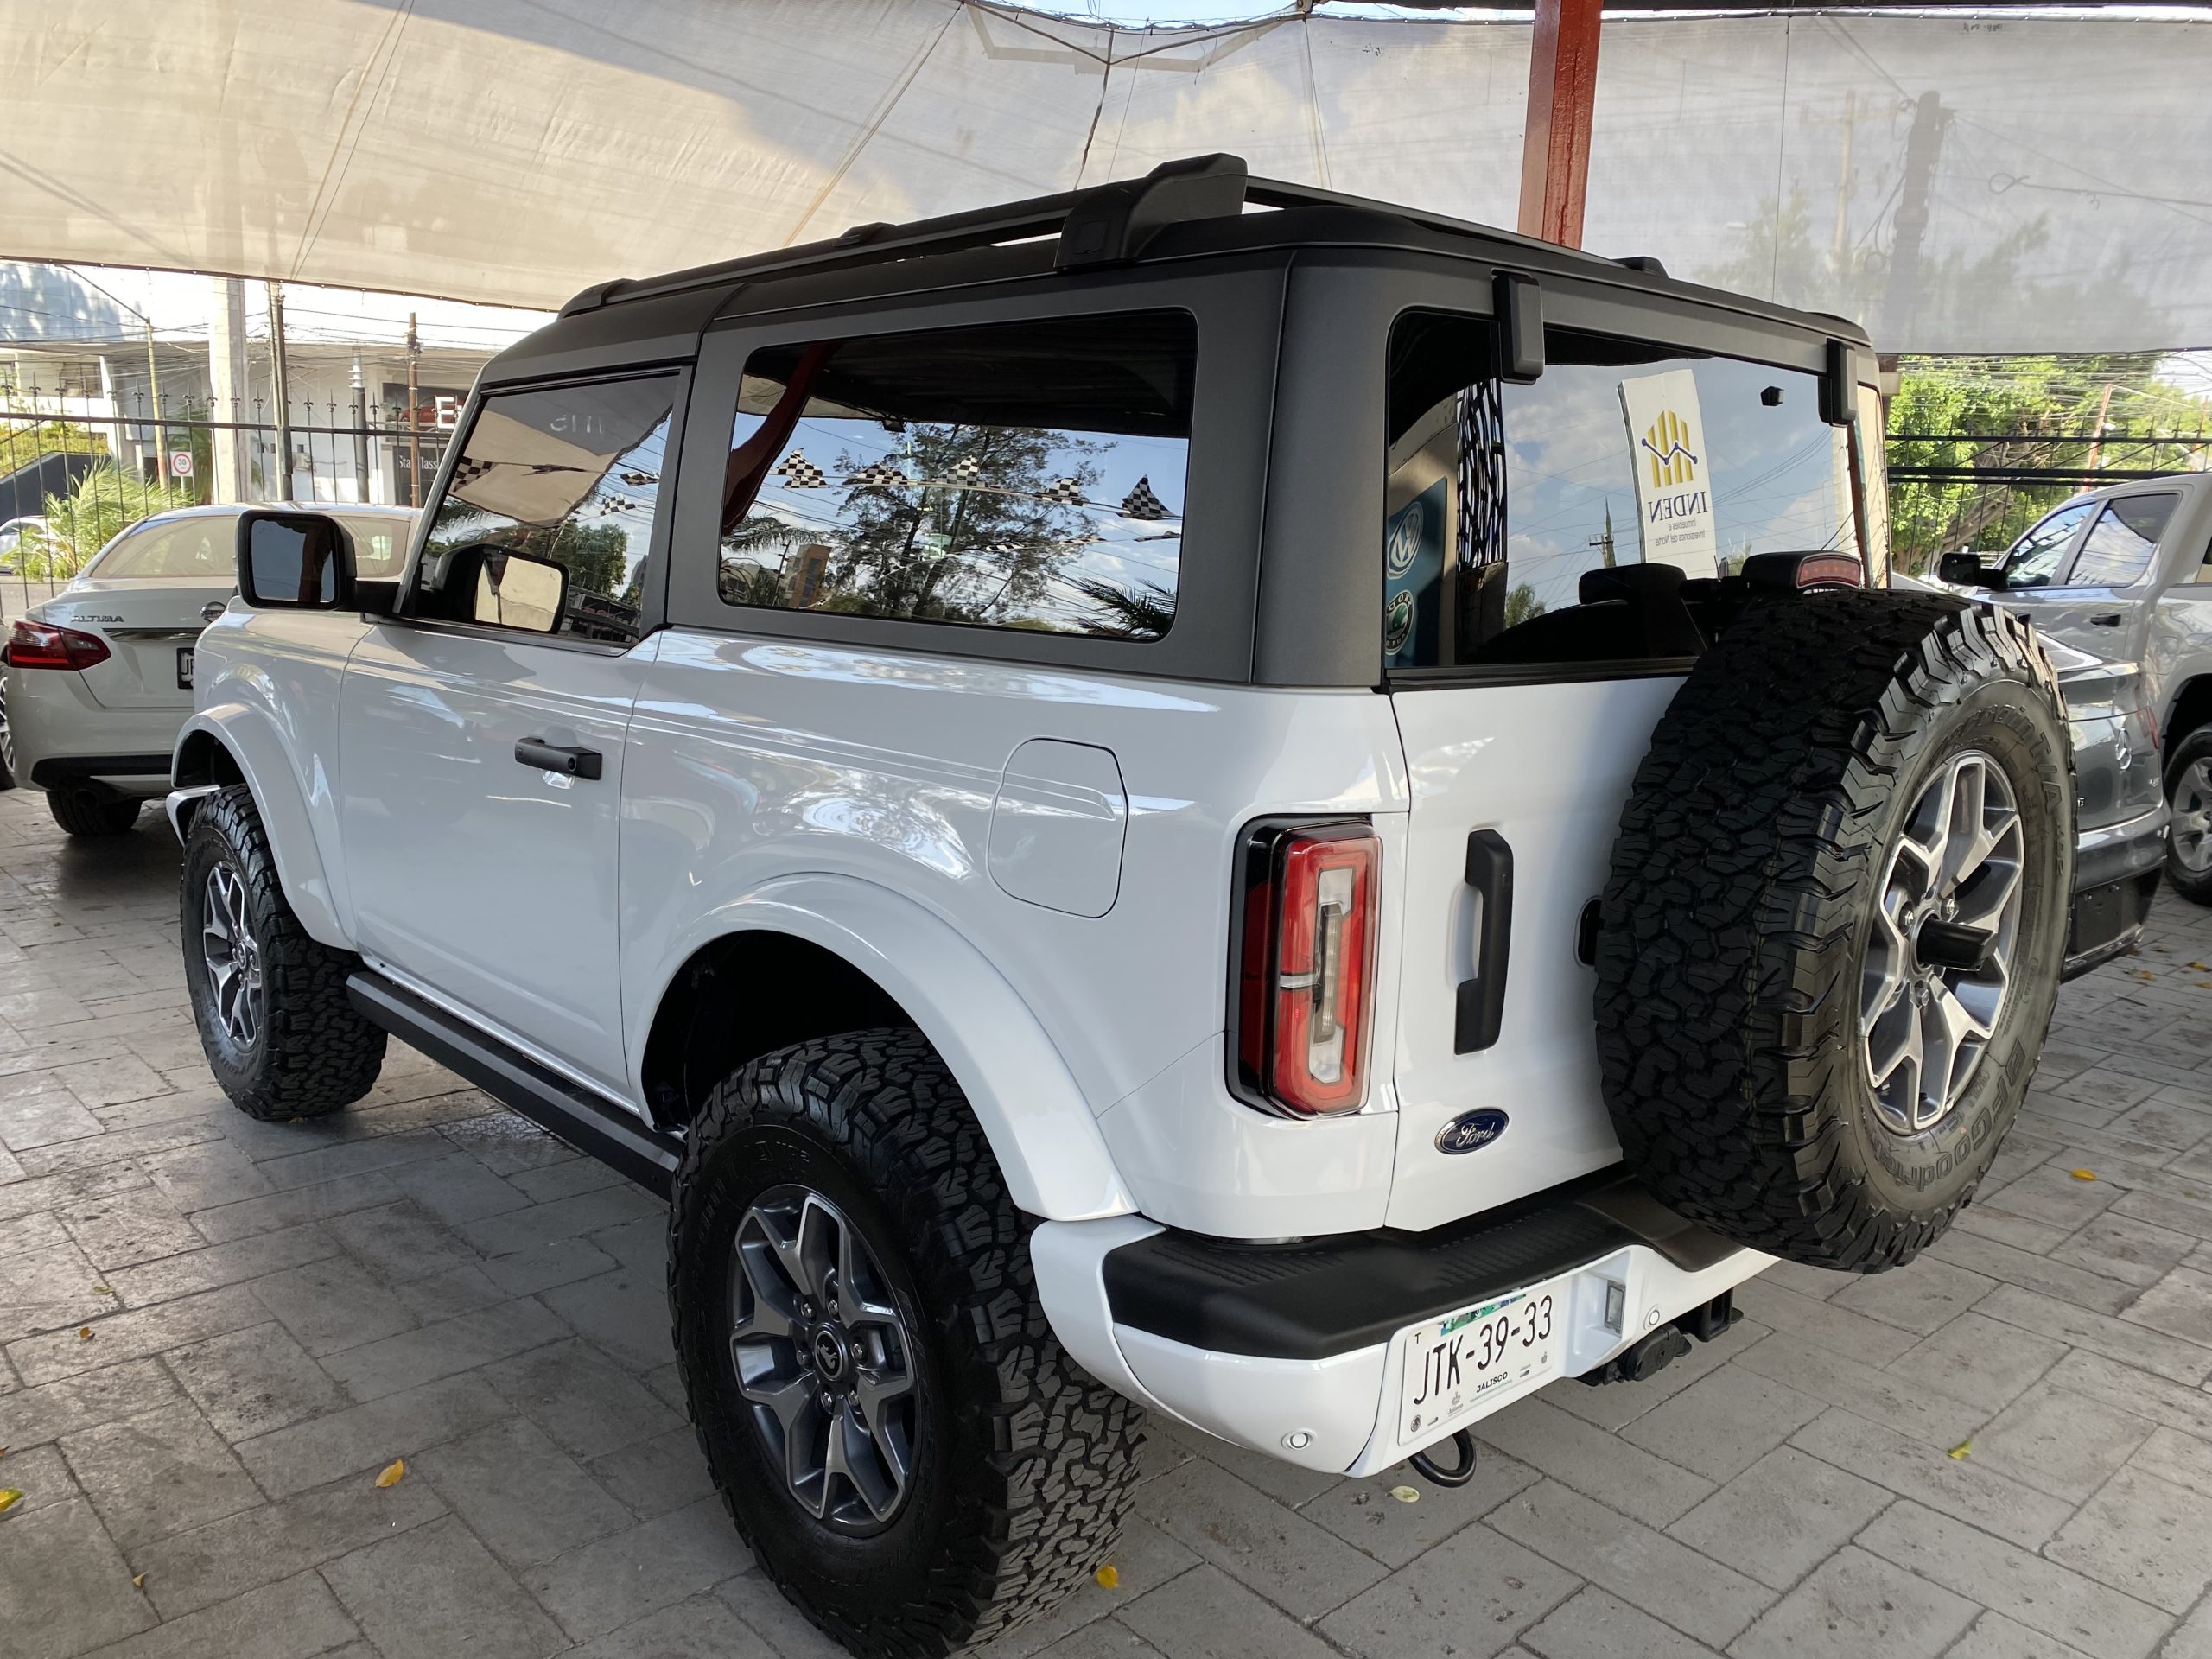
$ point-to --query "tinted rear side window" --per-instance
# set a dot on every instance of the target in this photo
(1579, 518)
(1021, 475)
(2119, 546)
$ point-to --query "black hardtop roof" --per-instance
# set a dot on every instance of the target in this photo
(1198, 201)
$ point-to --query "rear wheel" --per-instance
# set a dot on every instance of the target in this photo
(914, 1459)
(85, 811)
(2189, 845)
(1830, 946)
(279, 1032)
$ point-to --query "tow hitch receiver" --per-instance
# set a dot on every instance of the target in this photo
(1653, 1353)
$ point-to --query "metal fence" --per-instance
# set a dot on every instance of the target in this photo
(75, 469)
(1955, 491)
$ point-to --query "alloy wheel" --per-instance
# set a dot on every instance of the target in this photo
(2192, 823)
(233, 959)
(1938, 959)
(822, 1358)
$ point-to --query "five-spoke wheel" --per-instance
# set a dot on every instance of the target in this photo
(226, 945)
(1939, 958)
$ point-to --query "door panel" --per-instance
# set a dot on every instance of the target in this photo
(490, 881)
(1547, 767)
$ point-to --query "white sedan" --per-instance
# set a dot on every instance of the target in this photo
(99, 678)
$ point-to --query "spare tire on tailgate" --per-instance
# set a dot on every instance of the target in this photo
(1830, 943)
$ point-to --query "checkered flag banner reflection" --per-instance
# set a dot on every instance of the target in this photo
(1063, 492)
(877, 476)
(1141, 503)
(799, 473)
(964, 473)
(639, 481)
(468, 471)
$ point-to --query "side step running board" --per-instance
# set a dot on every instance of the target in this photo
(648, 1156)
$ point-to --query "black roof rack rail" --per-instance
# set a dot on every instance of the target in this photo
(1105, 224)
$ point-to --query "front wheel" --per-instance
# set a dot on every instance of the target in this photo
(914, 1459)
(279, 1032)
(2189, 790)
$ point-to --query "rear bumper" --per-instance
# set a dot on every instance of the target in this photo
(2116, 869)
(62, 736)
(1291, 1350)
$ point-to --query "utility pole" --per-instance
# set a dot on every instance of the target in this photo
(226, 383)
(360, 432)
(1922, 147)
(414, 424)
(284, 389)
(2097, 444)
(154, 381)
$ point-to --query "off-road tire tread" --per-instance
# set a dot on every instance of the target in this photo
(86, 814)
(2192, 884)
(1738, 881)
(320, 1056)
(1062, 1472)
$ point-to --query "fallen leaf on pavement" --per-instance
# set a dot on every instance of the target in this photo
(393, 1472)
(83, 1333)
(1962, 1451)
(1107, 1576)
(1406, 1494)
(138, 1582)
(9, 1499)
(2085, 1174)
(102, 1290)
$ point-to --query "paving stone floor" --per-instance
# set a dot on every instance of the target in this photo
(276, 1312)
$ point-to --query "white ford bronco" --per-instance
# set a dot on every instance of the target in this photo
(1198, 797)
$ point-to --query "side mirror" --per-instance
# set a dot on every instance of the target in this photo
(1965, 571)
(300, 561)
(516, 591)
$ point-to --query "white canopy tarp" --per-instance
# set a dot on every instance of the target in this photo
(1988, 182)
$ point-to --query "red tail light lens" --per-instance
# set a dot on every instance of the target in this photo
(41, 644)
(1306, 968)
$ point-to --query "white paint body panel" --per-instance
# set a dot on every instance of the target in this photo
(1548, 766)
(1057, 826)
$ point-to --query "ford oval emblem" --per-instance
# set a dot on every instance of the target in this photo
(1470, 1131)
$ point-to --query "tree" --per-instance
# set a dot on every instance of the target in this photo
(1143, 612)
(104, 503)
(1522, 604)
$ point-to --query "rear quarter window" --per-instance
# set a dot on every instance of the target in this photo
(2120, 545)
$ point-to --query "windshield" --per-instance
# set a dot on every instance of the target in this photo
(204, 548)
(2033, 560)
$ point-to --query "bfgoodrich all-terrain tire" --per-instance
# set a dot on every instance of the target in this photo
(279, 1033)
(913, 1457)
(1830, 943)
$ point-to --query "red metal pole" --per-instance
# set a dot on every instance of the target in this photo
(1563, 93)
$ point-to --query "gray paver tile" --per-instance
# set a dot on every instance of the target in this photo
(293, 1619)
(2031, 1272)
(1857, 1604)
(1206, 1611)
(48, 1289)
(2040, 1595)
(2182, 1458)
(1474, 1594)
(447, 1295)
(1724, 1423)
(1869, 1342)
(1781, 1516)
(443, 1348)
(398, 1242)
(32, 1416)
(584, 1400)
(122, 1229)
(2060, 1442)
(2142, 1534)
(1956, 1486)
(65, 1585)
(1649, 1570)
(1597, 1624)
(1995, 1636)
(1574, 1453)
(217, 1265)
(158, 1473)
(134, 1334)
(367, 1437)
(351, 1158)
(521, 1494)
(653, 1477)
(1615, 1405)
(701, 1627)
(1300, 1566)
(333, 1304)
(455, 1188)
(2132, 1344)
(1894, 1402)
(640, 1570)
(1364, 1514)
(2122, 1388)
(253, 1381)
(1982, 1363)
(2180, 1305)
(293, 1209)
(42, 1474)
(1920, 1298)
(546, 1223)
(546, 1267)
(436, 1588)
(1107, 1639)
(1144, 1557)
(200, 1177)
(209, 1564)
(2134, 1252)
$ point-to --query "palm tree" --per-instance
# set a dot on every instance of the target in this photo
(1140, 613)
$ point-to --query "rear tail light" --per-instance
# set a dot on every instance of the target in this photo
(41, 644)
(1306, 969)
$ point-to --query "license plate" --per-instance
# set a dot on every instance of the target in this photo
(1501, 1347)
(184, 668)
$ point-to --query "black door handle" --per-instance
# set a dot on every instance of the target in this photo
(2105, 619)
(552, 757)
(1481, 1007)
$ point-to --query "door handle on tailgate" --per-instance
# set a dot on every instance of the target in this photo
(570, 761)
(2105, 620)
(1482, 999)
